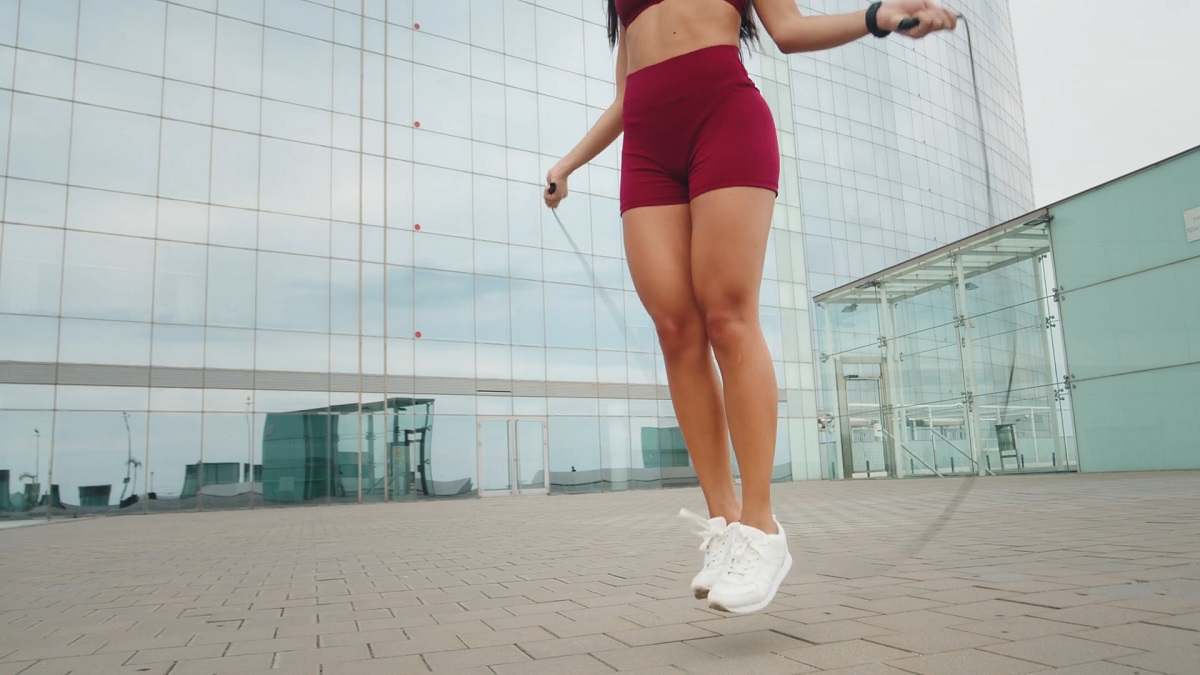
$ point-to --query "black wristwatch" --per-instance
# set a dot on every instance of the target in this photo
(873, 24)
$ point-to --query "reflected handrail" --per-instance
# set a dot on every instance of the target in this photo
(911, 454)
(960, 451)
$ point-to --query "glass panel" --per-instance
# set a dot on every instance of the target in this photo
(28, 338)
(231, 287)
(174, 448)
(239, 54)
(295, 178)
(440, 297)
(25, 455)
(39, 138)
(298, 69)
(574, 454)
(30, 270)
(179, 283)
(293, 292)
(44, 74)
(531, 465)
(49, 26)
(123, 33)
(114, 150)
(191, 37)
(108, 277)
(183, 168)
(235, 169)
(36, 203)
(450, 447)
(494, 462)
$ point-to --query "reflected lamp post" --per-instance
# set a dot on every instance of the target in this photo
(37, 458)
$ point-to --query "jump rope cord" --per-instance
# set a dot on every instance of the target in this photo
(612, 307)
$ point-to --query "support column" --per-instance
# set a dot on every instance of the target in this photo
(891, 372)
(829, 368)
(1047, 323)
(966, 355)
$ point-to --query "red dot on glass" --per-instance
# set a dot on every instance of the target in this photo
(417, 125)
(417, 227)
(418, 333)
(417, 26)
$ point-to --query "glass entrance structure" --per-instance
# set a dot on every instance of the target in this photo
(949, 364)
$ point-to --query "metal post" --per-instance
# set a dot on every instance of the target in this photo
(891, 365)
(1051, 399)
(249, 452)
(831, 371)
(967, 359)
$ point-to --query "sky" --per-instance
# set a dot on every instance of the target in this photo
(1109, 87)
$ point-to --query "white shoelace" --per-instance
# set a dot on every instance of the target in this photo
(709, 533)
(746, 556)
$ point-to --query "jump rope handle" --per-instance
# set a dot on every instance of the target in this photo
(908, 24)
(553, 188)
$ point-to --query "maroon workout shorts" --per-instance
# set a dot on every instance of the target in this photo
(692, 124)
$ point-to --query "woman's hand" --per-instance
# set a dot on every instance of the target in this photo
(933, 17)
(557, 177)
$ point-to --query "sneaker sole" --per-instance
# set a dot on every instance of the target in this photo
(775, 584)
(700, 594)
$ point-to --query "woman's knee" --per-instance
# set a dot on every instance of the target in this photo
(731, 327)
(679, 331)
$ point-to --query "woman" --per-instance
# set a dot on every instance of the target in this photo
(699, 178)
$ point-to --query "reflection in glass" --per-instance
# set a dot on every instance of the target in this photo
(123, 33)
(293, 292)
(39, 138)
(30, 270)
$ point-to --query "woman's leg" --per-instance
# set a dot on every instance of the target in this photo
(658, 241)
(729, 242)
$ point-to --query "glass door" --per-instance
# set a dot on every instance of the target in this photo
(512, 456)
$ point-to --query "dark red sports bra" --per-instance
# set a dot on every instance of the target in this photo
(629, 10)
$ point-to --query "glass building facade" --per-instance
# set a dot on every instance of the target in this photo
(274, 252)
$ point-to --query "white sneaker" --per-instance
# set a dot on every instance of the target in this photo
(717, 544)
(757, 566)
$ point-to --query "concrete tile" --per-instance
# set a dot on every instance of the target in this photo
(483, 656)
(1098, 616)
(747, 644)
(576, 664)
(970, 661)
(833, 631)
(659, 634)
(1020, 628)
(653, 655)
(1059, 650)
(1143, 636)
(935, 641)
(1170, 661)
(759, 664)
(844, 654)
(584, 644)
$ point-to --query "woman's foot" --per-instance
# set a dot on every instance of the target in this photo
(717, 544)
(758, 564)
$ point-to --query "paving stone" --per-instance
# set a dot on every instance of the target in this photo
(1143, 636)
(577, 664)
(935, 641)
(844, 654)
(483, 656)
(1059, 650)
(1098, 616)
(759, 664)
(833, 631)
(970, 661)
(1020, 628)
(747, 644)
(545, 649)
(1170, 661)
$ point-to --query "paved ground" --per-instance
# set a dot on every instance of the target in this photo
(1095, 574)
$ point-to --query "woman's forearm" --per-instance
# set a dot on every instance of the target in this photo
(817, 32)
(602, 134)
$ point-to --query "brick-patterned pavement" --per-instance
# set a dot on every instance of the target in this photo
(1097, 575)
